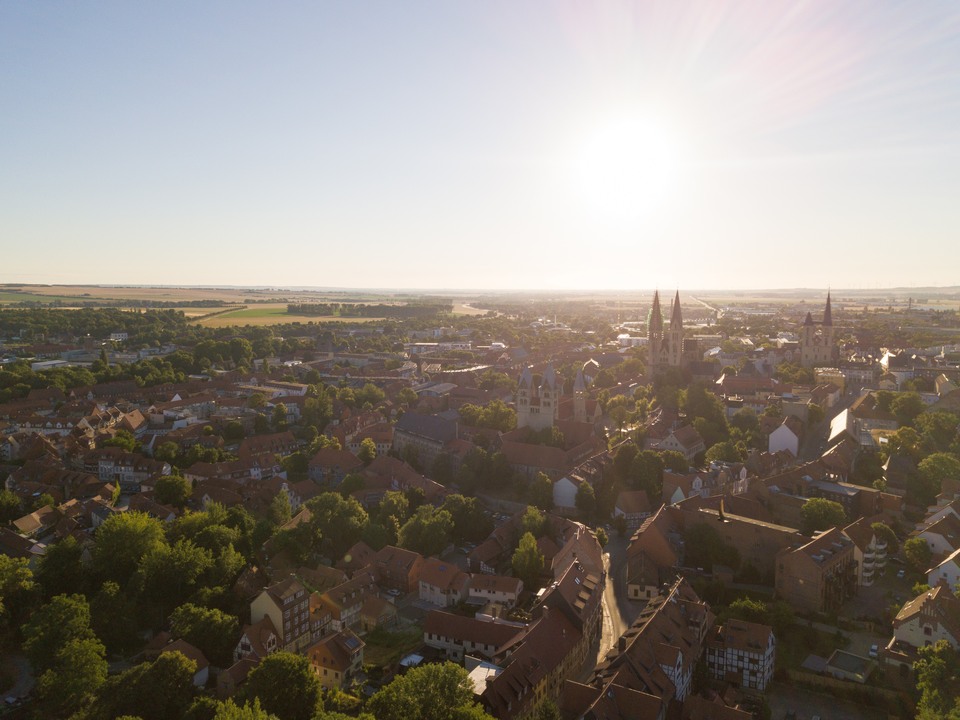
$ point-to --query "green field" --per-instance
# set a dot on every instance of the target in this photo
(7, 296)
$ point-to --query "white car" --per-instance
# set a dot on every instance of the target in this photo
(900, 573)
(874, 651)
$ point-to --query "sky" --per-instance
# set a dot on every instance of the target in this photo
(541, 144)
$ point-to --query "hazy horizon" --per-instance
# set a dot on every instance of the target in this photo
(507, 146)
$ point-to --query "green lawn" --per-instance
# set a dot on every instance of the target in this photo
(385, 648)
(800, 641)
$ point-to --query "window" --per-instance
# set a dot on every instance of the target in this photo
(927, 630)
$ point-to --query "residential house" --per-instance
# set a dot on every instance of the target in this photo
(948, 571)
(257, 641)
(633, 506)
(442, 583)
(330, 466)
(495, 589)
(685, 440)
(287, 604)
(942, 536)
(458, 636)
(345, 601)
(743, 654)
(934, 615)
(337, 659)
(786, 436)
(397, 568)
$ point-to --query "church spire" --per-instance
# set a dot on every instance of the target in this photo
(827, 317)
(676, 319)
(655, 321)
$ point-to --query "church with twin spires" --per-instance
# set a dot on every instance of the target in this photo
(664, 345)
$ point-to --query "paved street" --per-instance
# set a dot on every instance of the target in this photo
(618, 612)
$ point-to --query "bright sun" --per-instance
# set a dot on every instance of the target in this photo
(629, 167)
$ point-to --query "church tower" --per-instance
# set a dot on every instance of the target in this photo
(675, 335)
(580, 398)
(654, 333)
(537, 405)
(664, 348)
(816, 339)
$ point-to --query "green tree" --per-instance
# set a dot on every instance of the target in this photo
(602, 536)
(725, 451)
(821, 514)
(674, 461)
(931, 472)
(937, 673)
(527, 561)
(123, 439)
(60, 569)
(429, 692)
(918, 554)
(907, 406)
(213, 631)
(10, 506)
(541, 492)
(113, 616)
(122, 541)
(155, 690)
(280, 512)
(428, 531)
(339, 521)
(279, 417)
(646, 473)
(393, 505)
(64, 618)
(470, 522)
(167, 452)
(407, 397)
(286, 686)
(169, 574)
(78, 671)
(586, 500)
(173, 490)
(367, 452)
(351, 483)
(16, 588)
(249, 711)
(534, 521)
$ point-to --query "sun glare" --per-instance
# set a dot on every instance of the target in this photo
(629, 167)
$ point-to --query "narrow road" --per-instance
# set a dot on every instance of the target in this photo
(618, 612)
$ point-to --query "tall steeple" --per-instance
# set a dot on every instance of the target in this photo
(827, 317)
(676, 319)
(655, 322)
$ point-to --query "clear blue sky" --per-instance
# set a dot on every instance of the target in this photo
(481, 144)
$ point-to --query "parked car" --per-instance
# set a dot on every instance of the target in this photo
(900, 573)
(874, 650)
